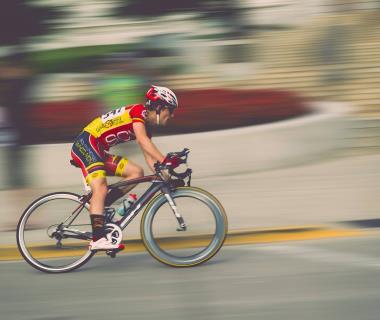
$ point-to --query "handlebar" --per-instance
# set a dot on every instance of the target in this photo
(180, 154)
(183, 155)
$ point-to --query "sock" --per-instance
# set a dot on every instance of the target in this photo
(112, 196)
(97, 222)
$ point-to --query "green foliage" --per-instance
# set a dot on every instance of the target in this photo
(78, 59)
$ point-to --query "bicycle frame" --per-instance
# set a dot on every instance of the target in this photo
(157, 184)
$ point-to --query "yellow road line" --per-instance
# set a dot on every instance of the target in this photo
(234, 238)
(275, 236)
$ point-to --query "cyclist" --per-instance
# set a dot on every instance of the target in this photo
(91, 152)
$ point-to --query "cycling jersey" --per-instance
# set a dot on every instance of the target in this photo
(116, 126)
(90, 148)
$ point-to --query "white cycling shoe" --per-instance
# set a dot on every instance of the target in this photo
(105, 244)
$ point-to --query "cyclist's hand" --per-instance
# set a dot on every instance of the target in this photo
(172, 161)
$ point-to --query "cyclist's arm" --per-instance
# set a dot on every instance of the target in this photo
(151, 152)
(150, 161)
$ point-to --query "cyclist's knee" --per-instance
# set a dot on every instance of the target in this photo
(136, 172)
(99, 187)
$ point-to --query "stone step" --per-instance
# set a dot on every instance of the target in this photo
(304, 48)
(364, 82)
(375, 52)
(363, 96)
(368, 114)
(367, 46)
(356, 68)
(305, 88)
(292, 43)
(373, 91)
(370, 106)
(357, 85)
(283, 76)
(286, 83)
(352, 92)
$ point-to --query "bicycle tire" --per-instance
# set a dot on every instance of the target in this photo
(22, 247)
(151, 244)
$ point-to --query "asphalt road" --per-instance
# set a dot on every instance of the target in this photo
(317, 279)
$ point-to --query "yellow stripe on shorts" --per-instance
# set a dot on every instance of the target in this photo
(95, 175)
(120, 167)
(94, 165)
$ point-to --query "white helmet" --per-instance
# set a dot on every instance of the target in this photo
(161, 96)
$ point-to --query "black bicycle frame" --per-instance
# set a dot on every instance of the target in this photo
(157, 185)
(132, 212)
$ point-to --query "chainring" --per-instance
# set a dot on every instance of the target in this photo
(113, 232)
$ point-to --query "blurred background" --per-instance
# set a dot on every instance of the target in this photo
(262, 85)
(280, 107)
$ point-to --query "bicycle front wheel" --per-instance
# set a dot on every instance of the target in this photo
(206, 228)
(54, 231)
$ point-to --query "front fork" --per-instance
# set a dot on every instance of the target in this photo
(173, 206)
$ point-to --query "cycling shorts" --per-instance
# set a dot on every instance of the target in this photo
(94, 160)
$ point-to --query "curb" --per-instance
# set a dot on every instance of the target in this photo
(237, 237)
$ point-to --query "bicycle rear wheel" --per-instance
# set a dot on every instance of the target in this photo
(205, 234)
(54, 231)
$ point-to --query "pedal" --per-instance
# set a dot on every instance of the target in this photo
(112, 253)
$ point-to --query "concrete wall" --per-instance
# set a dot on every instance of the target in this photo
(216, 153)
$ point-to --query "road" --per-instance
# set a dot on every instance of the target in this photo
(315, 279)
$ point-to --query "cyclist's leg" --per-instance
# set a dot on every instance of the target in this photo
(90, 157)
(99, 191)
(121, 167)
(131, 171)
(101, 240)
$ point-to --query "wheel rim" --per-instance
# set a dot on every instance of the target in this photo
(193, 248)
(38, 241)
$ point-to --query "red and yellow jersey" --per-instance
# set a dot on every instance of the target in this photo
(116, 126)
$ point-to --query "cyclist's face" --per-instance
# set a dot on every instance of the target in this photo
(165, 116)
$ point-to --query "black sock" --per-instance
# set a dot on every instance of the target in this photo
(97, 222)
(112, 196)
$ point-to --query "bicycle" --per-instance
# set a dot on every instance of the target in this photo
(172, 208)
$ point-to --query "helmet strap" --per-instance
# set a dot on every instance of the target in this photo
(158, 117)
(158, 111)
